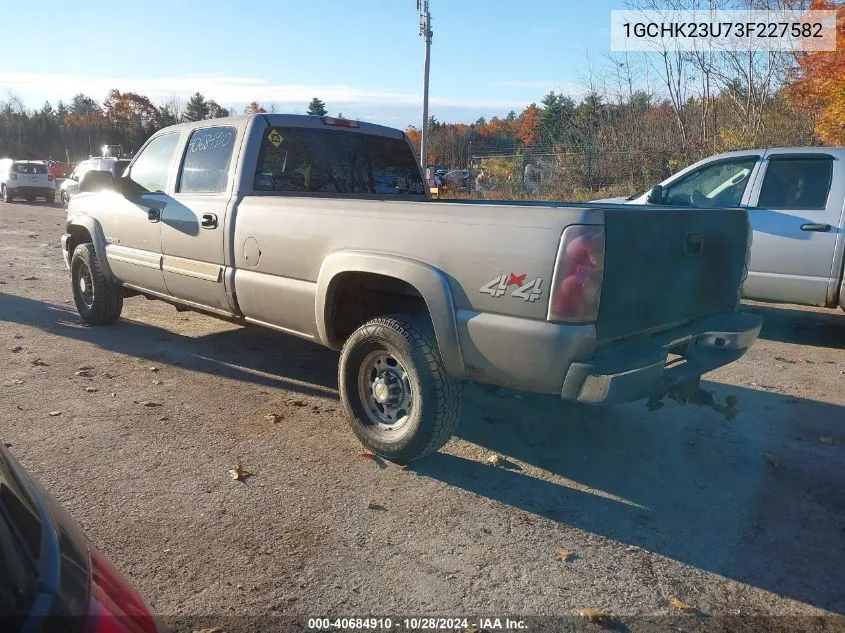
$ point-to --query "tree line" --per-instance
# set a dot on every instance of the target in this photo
(77, 129)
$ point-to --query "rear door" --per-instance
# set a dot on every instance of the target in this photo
(193, 221)
(796, 211)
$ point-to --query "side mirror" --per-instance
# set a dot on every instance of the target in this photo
(655, 195)
(96, 181)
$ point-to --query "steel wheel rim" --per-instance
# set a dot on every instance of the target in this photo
(85, 284)
(385, 391)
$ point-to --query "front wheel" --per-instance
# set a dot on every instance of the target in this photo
(397, 395)
(98, 299)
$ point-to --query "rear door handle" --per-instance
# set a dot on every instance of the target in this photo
(820, 228)
(209, 221)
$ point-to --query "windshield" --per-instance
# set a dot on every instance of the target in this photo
(318, 160)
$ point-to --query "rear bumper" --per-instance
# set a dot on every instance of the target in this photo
(638, 369)
(38, 192)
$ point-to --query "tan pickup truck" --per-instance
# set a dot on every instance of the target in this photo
(323, 228)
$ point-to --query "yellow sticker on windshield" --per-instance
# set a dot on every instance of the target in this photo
(275, 138)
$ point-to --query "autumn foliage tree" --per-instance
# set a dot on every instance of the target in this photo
(254, 108)
(819, 84)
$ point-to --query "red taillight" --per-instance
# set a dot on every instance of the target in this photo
(339, 122)
(576, 285)
(114, 605)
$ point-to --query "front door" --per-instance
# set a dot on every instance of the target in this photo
(193, 222)
(795, 210)
(132, 224)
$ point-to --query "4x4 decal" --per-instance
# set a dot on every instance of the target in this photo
(525, 290)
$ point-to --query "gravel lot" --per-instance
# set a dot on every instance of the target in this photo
(741, 517)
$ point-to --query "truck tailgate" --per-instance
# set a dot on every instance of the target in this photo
(666, 266)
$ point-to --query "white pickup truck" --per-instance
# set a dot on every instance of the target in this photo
(795, 198)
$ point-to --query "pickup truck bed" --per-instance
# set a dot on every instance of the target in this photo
(582, 300)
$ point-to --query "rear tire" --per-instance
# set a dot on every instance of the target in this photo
(30, 200)
(398, 398)
(7, 196)
(51, 199)
(65, 199)
(98, 299)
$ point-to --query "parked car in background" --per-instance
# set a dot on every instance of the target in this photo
(70, 186)
(58, 169)
(795, 198)
(51, 578)
(28, 179)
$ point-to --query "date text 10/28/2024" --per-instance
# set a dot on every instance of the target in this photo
(467, 625)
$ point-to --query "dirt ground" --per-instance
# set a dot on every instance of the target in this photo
(735, 518)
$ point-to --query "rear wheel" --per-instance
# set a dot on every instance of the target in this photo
(98, 299)
(30, 199)
(397, 395)
(7, 195)
(65, 199)
(50, 198)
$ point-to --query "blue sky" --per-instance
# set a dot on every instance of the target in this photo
(364, 58)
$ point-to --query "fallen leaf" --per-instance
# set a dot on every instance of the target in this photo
(239, 473)
(372, 505)
(565, 556)
(297, 403)
(368, 457)
(153, 369)
(774, 460)
(84, 374)
(30, 278)
(18, 336)
(38, 363)
(18, 381)
(494, 460)
(163, 418)
(85, 368)
(785, 360)
(632, 548)
(830, 441)
(106, 374)
(680, 604)
(156, 382)
(15, 349)
(216, 629)
(596, 616)
(91, 389)
(150, 403)
(113, 394)
(53, 414)
(274, 417)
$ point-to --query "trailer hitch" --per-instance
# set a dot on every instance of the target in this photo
(690, 392)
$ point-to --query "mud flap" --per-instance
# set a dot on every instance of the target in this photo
(690, 392)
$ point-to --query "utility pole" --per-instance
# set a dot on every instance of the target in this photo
(426, 33)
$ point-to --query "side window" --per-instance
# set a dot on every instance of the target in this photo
(151, 166)
(720, 184)
(205, 168)
(796, 183)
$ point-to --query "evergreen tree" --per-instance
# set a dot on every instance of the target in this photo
(196, 108)
(317, 108)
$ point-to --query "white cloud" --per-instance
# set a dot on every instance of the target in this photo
(222, 89)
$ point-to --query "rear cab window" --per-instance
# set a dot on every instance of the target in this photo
(336, 161)
(208, 155)
(800, 182)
